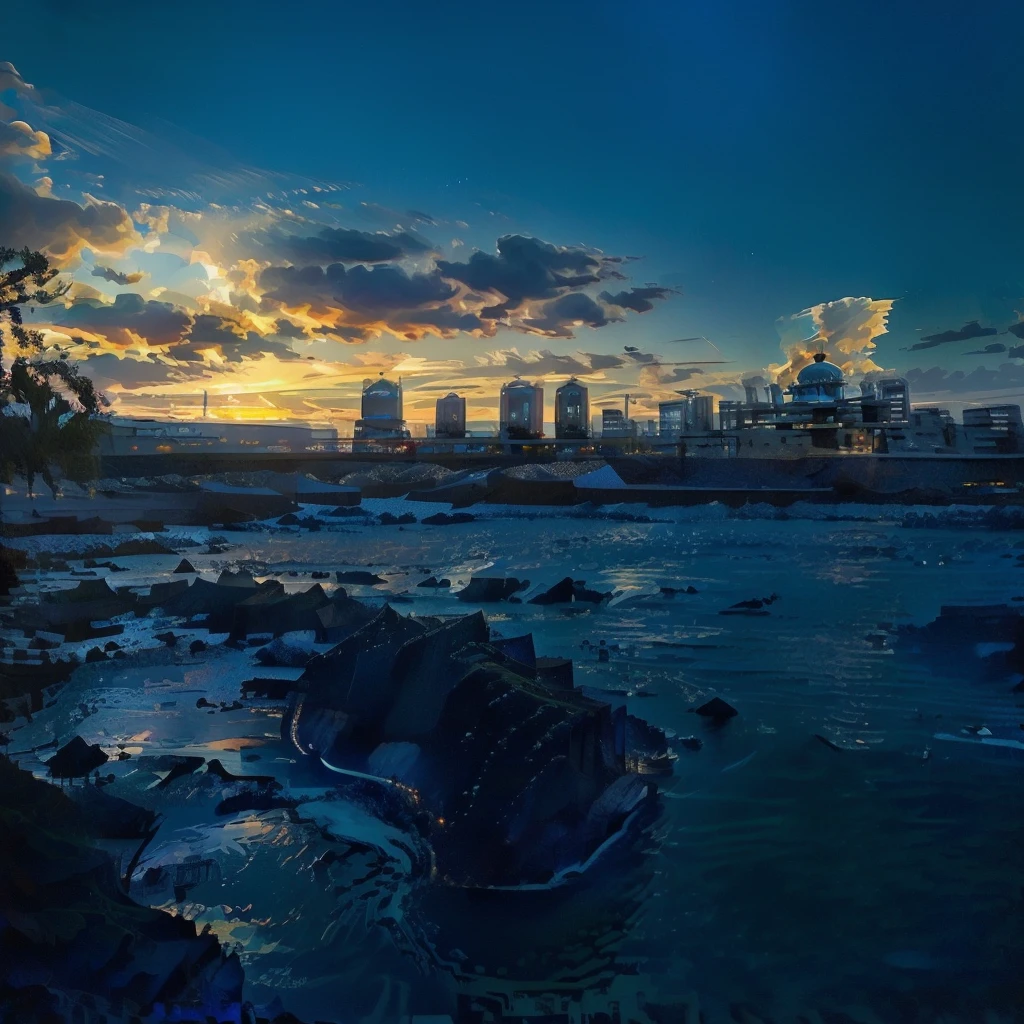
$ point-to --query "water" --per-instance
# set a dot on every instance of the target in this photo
(783, 875)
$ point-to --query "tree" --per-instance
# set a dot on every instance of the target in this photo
(46, 404)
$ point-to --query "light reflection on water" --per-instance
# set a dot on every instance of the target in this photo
(802, 873)
(787, 874)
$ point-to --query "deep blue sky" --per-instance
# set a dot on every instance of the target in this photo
(762, 156)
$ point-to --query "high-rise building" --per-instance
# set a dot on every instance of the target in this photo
(450, 417)
(521, 409)
(692, 412)
(572, 410)
(381, 410)
(895, 391)
(996, 429)
(615, 424)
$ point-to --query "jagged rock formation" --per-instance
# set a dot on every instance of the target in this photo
(70, 937)
(521, 775)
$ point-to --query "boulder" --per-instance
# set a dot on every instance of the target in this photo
(446, 519)
(358, 577)
(285, 654)
(716, 709)
(185, 566)
(75, 759)
(486, 589)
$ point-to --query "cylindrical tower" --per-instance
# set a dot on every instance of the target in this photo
(382, 399)
(521, 411)
(450, 418)
(381, 410)
(572, 410)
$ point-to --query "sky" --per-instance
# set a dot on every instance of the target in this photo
(274, 204)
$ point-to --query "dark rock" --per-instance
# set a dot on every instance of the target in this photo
(241, 579)
(716, 709)
(691, 743)
(197, 647)
(60, 957)
(93, 655)
(448, 519)
(433, 581)
(320, 574)
(358, 577)
(281, 653)
(168, 638)
(569, 590)
(111, 645)
(343, 510)
(185, 566)
(405, 519)
(204, 703)
(75, 759)
(289, 519)
(486, 589)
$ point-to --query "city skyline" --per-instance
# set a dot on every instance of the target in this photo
(369, 246)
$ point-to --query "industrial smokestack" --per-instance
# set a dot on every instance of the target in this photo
(751, 393)
(775, 394)
(205, 402)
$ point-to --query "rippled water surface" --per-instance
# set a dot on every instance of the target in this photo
(878, 873)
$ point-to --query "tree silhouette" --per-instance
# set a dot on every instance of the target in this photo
(46, 404)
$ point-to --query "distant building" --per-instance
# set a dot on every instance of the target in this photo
(691, 412)
(615, 424)
(996, 429)
(381, 411)
(126, 436)
(450, 417)
(572, 410)
(895, 391)
(521, 410)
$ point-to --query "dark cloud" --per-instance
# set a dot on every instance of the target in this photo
(544, 363)
(599, 361)
(160, 323)
(116, 277)
(637, 299)
(961, 385)
(229, 338)
(58, 226)
(1017, 352)
(338, 245)
(422, 218)
(559, 316)
(348, 335)
(372, 293)
(107, 370)
(988, 350)
(657, 375)
(445, 318)
(288, 329)
(966, 333)
(524, 268)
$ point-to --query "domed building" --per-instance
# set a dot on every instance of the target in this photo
(819, 381)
